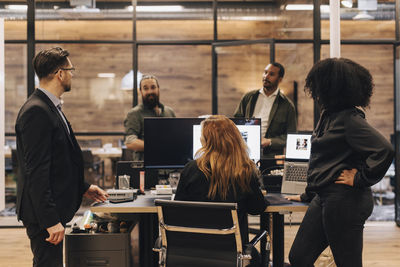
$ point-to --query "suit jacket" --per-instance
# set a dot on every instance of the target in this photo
(50, 178)
(282, 119)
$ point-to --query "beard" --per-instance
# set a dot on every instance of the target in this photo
(270, 86)
(151, 101)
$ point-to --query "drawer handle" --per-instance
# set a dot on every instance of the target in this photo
(97, 262)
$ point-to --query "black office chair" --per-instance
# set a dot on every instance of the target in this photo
(93, 168)
(201, 234)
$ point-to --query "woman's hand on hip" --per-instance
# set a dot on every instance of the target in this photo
(346, 177)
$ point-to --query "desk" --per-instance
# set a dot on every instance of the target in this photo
(278, 229)
(148, 225)
(113, 152)
(144, 207)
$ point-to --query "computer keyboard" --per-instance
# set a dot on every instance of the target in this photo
(296, 172)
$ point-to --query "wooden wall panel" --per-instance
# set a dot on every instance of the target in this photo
(175, 30)
(378, 59)
(240, 69)
(97, 104)
(15, 82)
(71, 30)
(358, 29)
(297, 60)
(184, 74)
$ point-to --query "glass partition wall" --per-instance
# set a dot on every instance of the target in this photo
(206, 54)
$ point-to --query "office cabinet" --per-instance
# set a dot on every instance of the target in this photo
(102, 249)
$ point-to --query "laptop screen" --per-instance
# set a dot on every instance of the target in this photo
(298, 146)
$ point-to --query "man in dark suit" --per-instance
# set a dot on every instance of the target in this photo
(50, 181)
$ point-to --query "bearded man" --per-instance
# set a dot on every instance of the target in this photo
(151, 107)
(277, 112)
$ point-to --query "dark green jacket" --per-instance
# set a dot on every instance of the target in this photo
(282, 119)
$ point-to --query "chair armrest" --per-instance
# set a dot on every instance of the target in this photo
(254, 241)
(158, 244)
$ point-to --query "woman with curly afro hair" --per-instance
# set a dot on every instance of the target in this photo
(348, 156)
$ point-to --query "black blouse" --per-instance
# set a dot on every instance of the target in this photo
(344, 140)
(193, 186)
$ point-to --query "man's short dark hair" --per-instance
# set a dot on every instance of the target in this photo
(281, 68)
(48, 61)
(148, 77)
(339, 83)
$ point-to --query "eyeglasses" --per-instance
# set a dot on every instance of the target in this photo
(72, 69)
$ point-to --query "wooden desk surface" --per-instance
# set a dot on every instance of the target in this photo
(145, 204)
(114, 152)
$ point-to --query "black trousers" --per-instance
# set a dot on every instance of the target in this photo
(45, 254)
(335, 217)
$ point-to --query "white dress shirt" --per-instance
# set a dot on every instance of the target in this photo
(263, 108)
(57, 102)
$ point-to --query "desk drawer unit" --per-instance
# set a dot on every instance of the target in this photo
(84, 250)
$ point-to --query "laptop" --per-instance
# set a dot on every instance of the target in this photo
(297, 156)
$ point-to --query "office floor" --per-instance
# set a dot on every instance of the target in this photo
(381, 245)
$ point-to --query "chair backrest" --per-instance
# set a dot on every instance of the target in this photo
(199, 233)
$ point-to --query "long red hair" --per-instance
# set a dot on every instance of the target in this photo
(224, 157)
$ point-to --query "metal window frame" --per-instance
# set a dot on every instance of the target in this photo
(317, 42)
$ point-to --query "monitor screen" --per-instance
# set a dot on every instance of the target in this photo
(298, 146)
(170, 143)
(250, 133)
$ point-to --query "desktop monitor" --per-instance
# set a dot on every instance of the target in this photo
(170, 143)
(250, 131)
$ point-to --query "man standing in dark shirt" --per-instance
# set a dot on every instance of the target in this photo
(151, 107)
(277, 112)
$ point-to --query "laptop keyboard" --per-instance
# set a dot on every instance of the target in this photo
(296, 172)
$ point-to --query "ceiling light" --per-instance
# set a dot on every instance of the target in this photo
(159, 8)
(127, 80)
(363, 15)
(347, 3)
(300, 7)
(325, 9)
(367, 4)
(106, 75)
(156, 8)
(17, 7)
